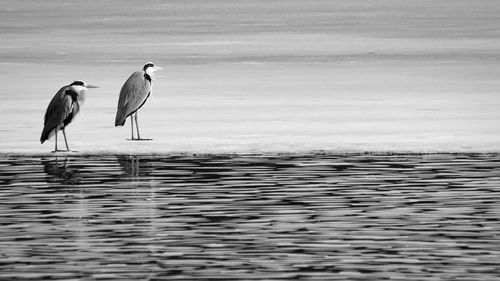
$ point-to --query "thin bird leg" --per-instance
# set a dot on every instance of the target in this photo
(64, 134)
(56, 142)
(132, 124)
(137, 127)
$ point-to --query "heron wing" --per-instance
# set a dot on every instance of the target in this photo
(133, 94)
(60, 107)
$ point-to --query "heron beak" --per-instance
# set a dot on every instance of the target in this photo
(92, 86)
(158, 68)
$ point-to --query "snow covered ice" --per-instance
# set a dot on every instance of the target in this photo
(335, 76)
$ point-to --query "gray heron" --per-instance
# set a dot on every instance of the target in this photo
(62, 109)
(133, 95)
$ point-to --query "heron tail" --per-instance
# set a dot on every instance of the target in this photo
(120, 120)
(46, 134)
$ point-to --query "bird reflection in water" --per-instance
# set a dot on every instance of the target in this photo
(133, 167)
(69, 202)
(141, 198)
(59, 170)
(94, 198)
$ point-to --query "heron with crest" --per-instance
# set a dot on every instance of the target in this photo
(63, 109)
(133, 95)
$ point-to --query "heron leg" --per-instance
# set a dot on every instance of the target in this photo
(65, 141)
(137, 126)
(132, 125)
(56, 143)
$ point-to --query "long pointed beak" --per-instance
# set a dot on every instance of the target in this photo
(92, 86)
(158, 67)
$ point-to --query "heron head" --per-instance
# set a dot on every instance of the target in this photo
(150, 67)
(82, 86)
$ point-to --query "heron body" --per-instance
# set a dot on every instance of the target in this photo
(62, 110)
(133, 95)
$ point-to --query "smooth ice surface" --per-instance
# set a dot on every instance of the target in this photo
(258, 76)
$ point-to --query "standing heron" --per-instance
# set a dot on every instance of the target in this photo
(62, 110)
(133, 95)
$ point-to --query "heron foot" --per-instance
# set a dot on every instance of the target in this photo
(141, 139)
(60, 150)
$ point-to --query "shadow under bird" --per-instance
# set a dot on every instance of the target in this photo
(62, 109)
(133, 95)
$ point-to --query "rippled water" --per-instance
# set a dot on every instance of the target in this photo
(301, 217)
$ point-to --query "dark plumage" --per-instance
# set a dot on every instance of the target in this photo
(62, 109)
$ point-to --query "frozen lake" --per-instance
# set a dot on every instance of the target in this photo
(258, 76)
(279, 80)
(220, 217)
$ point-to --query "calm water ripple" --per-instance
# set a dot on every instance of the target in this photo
(312, 217)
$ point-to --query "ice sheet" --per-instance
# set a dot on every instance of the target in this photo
(258, 76)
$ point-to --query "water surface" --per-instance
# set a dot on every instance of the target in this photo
(221, 217)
